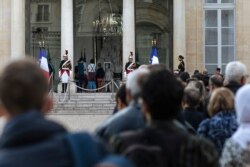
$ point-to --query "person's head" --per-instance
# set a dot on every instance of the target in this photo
(222, 99)
(215, 81)
(205, 72)
(23, 87)
(180, 58)
(133, 83)
(217, 71)
(196, 72)
(99, 65)
(65, 57)
(200, 86)
(242, 106)
(192, 95)
(92, 61)
(121, 98)
(161, 95)
(236, 72)
(184, 76)
(66, 52)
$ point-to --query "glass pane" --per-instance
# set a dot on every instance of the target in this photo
(227, 18)
(227, 54)
(211, 68)
(227, 36)
(211, 36)
(211, 18)
(211, 1)
(227, 1)
(211, 55)
(223, 68)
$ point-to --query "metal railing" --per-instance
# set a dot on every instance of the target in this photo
(67, 94)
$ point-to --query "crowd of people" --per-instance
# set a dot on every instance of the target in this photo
(87, 77)
(162, 118)
(178, 119)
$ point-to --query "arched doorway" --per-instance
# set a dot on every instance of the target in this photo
(145, 33)
(154, 21)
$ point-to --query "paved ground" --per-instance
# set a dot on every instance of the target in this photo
(79, 122)
(74, 122)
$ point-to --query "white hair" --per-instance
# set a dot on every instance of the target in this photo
(235, 70)
(132, 80)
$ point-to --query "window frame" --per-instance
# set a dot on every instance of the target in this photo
(43, 13)
(219, 7)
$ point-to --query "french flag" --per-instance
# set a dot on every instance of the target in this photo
(154, 56)
(44, 62)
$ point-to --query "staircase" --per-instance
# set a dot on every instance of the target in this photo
(83, 103)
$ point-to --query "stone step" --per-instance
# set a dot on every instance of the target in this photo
(84, 103)
(84, 108)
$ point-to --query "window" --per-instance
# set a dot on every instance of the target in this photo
(219, 31)
(43, 13)
(219, 1)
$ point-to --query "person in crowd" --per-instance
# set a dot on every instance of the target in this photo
(100, 74)
(184, 76)
(236, 150)
(65, 67)
(215, 81)
(164, 142)
(235, 75)
(202, 90)
(129, 118)
(31, 140)
(181, 66)
(91, 75)
(51, 74)
(197, 75)
(218, 72)
(205, 78)
(191, 100)
(80, 74)
(76, 78)
(120, 99)
(108, 77)
(222, 123)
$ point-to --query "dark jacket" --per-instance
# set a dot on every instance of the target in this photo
(164, 144)
(233, 86)
(100, 73)
(29, 140)
(130, 118)
(181, 67)
(193, 116)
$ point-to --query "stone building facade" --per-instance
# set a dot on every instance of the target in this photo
(208, 33)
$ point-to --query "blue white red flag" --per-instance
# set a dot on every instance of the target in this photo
(44, 62)
(154, 56)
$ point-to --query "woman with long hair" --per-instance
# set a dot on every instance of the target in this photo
(222, 123)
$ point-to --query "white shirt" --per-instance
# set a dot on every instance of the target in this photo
(91, 68)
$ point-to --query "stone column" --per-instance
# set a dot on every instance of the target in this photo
(17, 29)
(179, 31)
(67, 29)
(128, 30)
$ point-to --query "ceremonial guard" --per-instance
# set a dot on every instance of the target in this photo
(130, 66)
(65, 67)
